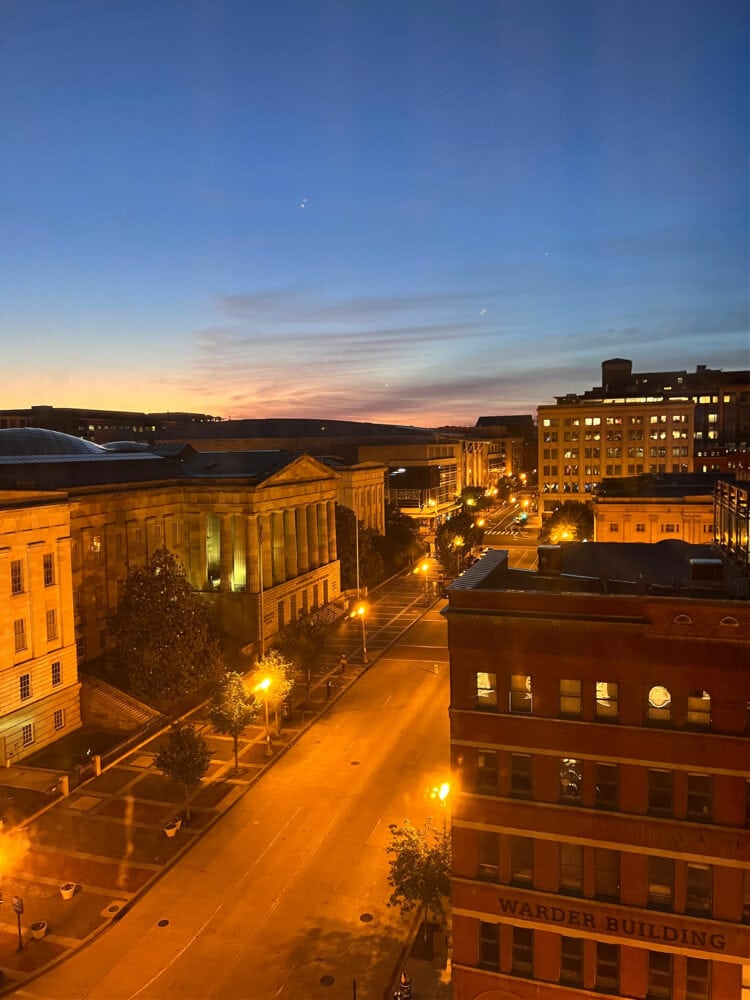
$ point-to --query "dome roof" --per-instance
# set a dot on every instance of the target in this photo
(126, 446)
(18, 441)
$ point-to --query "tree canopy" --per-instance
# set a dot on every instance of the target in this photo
(419, 868)
(184, 758)
(455, 539)
(278, 671)
(165, 644)
(304, 642)
(572, 521)
(232, 708)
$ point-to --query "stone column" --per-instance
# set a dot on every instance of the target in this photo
(312, 536)
(320, 511)
(277, 546)
(226, 553)
(252, 526)
(331, 512)
(290, 543)
(265, 520)
(303, 556)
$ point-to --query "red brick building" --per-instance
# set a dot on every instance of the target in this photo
(599, 734)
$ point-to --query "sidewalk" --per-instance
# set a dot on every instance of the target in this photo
(108, 838)
(425, 972)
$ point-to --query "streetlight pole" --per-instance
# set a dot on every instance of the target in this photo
(264, 686)
(261, 636)
(360, 607)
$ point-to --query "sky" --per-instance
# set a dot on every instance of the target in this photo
(407, 211)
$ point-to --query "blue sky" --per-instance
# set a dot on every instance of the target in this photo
(410, 211)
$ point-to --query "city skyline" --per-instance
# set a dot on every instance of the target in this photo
(415, 213)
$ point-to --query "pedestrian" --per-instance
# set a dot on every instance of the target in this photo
(328, 689)
(342, 663)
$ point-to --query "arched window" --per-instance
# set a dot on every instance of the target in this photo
(729, 621)
(683, 620)
(659, 704)
(699, 709)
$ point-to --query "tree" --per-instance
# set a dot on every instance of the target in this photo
(572, 521)
(275, 668)
(475, 498)
(371, 566)
(231, 709)
(165, 645)
(305, 641)
(455, 539)
(420, 868)
(401, 544)
(184, 759)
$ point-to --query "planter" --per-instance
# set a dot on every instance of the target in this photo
(173, 826)
(67, 890)
(38, 929)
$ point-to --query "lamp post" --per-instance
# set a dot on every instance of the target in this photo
(360, 605)
(424, 567)
(441, 793)
(361, 615)
(263, 686)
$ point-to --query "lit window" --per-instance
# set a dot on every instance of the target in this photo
(486, 691)
(570, 698)
(699, 709)
(659, 704)
(520, 693)
(571, 780)
(606, 700)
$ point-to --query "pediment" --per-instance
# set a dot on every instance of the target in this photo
(300, 469)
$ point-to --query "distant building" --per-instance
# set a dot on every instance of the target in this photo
(521, 433)
(732, 519)
(98, 425)
(600, 719)
(651, 508)
(636, 423)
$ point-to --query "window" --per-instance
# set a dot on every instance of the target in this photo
(488, 848)
(58, 719)
(607, 967)
(77, 603)
(571, 869)
(19, 634)
(660, 797)
(613, 528)
(640, 527)
(489, 946)
(659, 704)
(487, 771)
(746, 896)
(16, 577)
(699, 890)
(27, 734)
(606, 701)
(486, 691)
(571, 961)
(606, 873)
(700, 797)
(520, 774)
(571, 780)
(521, 860)
(96, 546)
(51, 625)
(56, 673)
(570, 698)
(24, 686)
(520, 693)
(699, 709)
(49, 570)
(80, 647)
(698, 979)
(607, 786)
(522, 960)
(660, 882)
(659, 975)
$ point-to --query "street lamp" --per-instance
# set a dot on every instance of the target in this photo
(359, 612)
(441, 792)
(263, 686)
(424, 568)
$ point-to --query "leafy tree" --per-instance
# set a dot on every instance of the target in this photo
(572, 521)
(166, 647)
(401, 545)
(305, 641)
(455, 539)
(474, 498)
(371, 566)
(231, 709)
(420, 868)
(184, 759)
(279, 672)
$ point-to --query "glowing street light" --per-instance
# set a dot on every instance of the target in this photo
(441, 792)
(423, 569)
(263, 686)
(360, 612)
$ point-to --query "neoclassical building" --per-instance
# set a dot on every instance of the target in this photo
(254, 530)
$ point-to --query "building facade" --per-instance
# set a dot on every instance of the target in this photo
(599, 739)
(652, 508)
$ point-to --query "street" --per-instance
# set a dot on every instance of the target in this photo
(286, 895)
